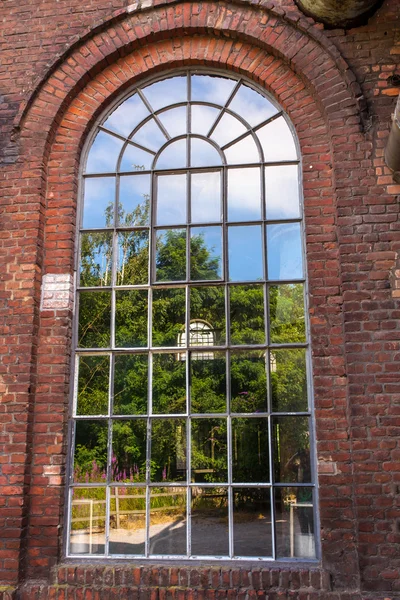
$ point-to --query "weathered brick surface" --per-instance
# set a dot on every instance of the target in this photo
(61, 65)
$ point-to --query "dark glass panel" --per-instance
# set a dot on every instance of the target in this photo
(94, 319)
(250, 455)
(286, 313)
(133, 258)
(128, 461)
(207, 382)
(130, 384)
(90, 452)
(96, 259)
(168, 450)
(93, 385)
(292, 449)
(288, 380)
(247, 314)
(169, 383)
(168, 521)
(171, 255)
(205, 253)
(169, 309)
(131, 310)
(209, 522)
(207, 305)
(252, 530)
(248, 381)
(209, 450)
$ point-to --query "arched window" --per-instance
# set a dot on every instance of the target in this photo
(191, 220)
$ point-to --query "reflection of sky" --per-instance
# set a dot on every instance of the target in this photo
(277, 141)
(212, 238)
(252, 106)
(245, 253)
(174, 120)
(171, 199)
(244, 194)
(150, 136)
(135, 159)
(203, 154)
(206, 197)
(282, 192)
(99, 257)
(132, 193)
(127, 116)
(284, 251)
(174, 156)
(244, 151)
(202, 118)
(212, 89)
(99, 192)
(228, 129)
(103, 154)
(139, 240)
(166, 92)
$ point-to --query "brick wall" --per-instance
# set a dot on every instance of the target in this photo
(61, 65)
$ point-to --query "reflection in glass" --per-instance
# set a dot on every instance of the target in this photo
(203, 117)
(286, 313)
(207, 304)
(168, 316)
(128, 460)
(174, 156)
(209, 450)
(174, 121)
(250, 450)
(93, 382)
(208, 88)
(168, 450)
(134, 200)
(127, 520)
(288, 380)
(169, 384)
(171, 199)
(252, 531)
(171, 255)
(294, 522)
(251, 105)
(133, 257)
(166, 92)
(168, 521)
(292, 449)
(130, 384)
(150, 136)
(244, 151)
(103, 154)
(282, 192)
(90, 454)
(88, 521)
(228, 129)
(127, 116)
(205, 253)
(135, 159)
(206, 197)
(247, 314)
(209, 522)
(208, 382)
(284, 253)
(98, 205)
(277, 141)
(245, 253)
(94, 319)
(203, 154)
(248, 381)
(96, 259)
(131, 318)
(244, 194)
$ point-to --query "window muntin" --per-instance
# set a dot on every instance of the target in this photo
(171, 441)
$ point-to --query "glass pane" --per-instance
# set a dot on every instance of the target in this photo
(250, 454)
(131, 310)
(282, 192)
(288, 380)
(206, 197)
(208, 382)
(96, 259)
(94, 320)
(174, 120)
(134, 200)
(277, 141)
(208, 88)
(133, 257)
(128, 461)
(93, 382)
(209, 522)
(169, 311)
(205, 253)
(171, 200)
(294, 522)
(228, 129)
(90, 454)
(252, 531)
(245, 253)
(252, 106)
(209, 450)
(171, 255)
(286, 313)
(98, 207)
(127, 521)
(203, 118)
(130, 384)
(244, 152)
(207, 307)
(127, 116)
(103, 154)
(174, 156)
(285, 260)
(247, 314)
(167, 521)
(150, 136)
(244, 195)
(135, 159)
(292, 449)
(248, 382)
(88, 521)
(203, 154)
(166, 92)
(168, 450)
(169, 384)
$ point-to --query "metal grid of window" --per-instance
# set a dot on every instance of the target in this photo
(192, 215)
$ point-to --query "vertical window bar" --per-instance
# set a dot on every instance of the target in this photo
(107, 517)
(148, 458)
(189, 494)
